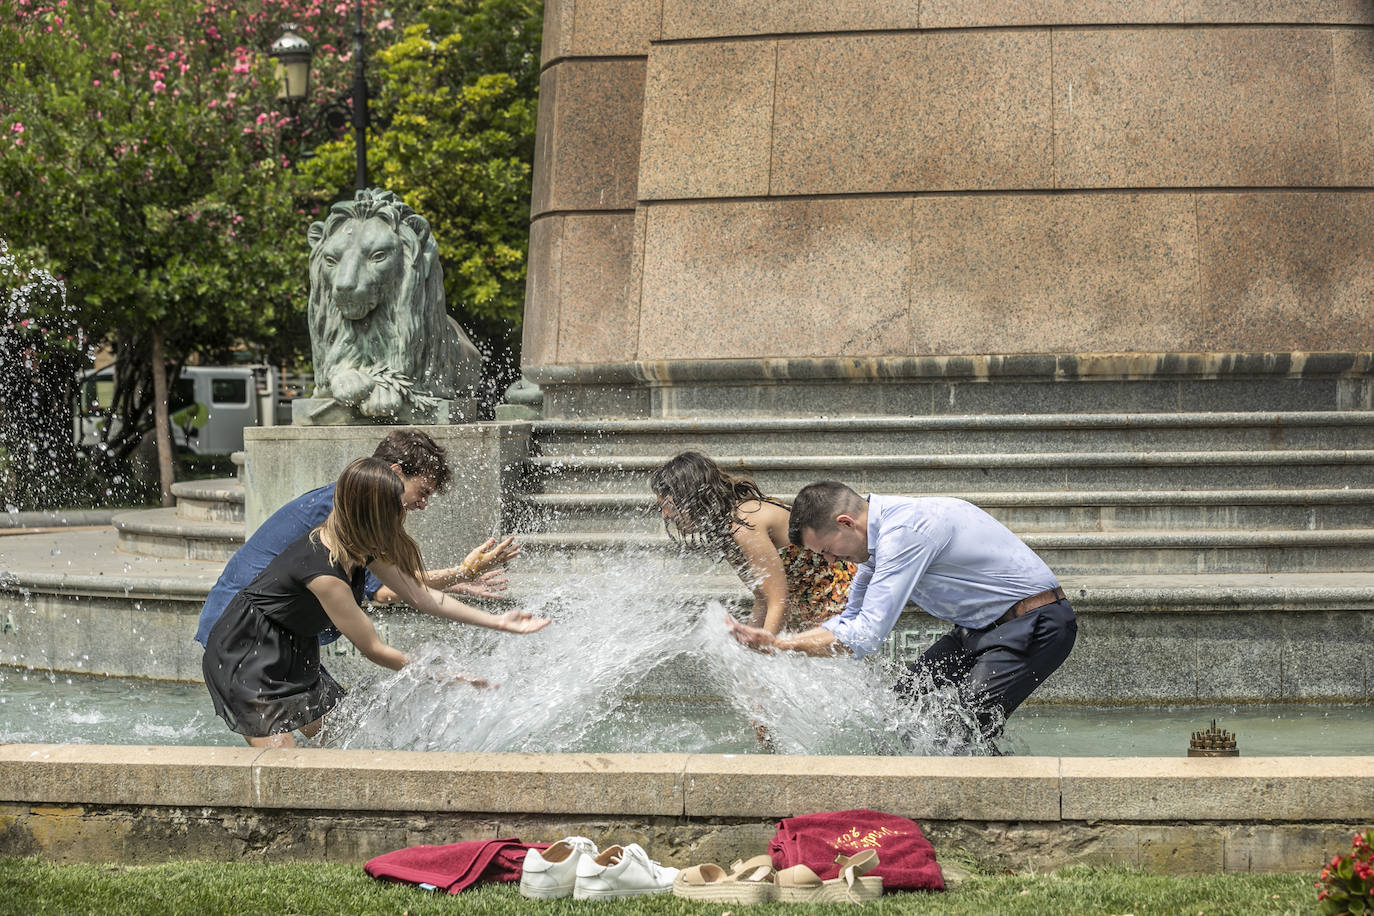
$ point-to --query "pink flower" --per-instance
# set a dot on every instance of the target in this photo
(261, 118)
(159, 86)
(17, 127)
(95, 82)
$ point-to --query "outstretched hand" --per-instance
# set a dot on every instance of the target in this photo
(756, 638)
(522, 622)
(487, 556)
(489, 584)
(480, 683)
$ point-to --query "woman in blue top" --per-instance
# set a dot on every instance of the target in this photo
(262, 657)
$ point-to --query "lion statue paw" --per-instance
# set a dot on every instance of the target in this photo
(349, 386)
(382, 402)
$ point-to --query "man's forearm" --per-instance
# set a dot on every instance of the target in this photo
(815, 641)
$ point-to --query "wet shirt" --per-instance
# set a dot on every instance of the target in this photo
(948, 556)
(288, 523)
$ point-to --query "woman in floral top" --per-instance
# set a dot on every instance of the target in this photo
(729, 516)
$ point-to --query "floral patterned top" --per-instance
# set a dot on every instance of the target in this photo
(816, 590)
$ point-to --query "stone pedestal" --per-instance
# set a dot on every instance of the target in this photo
(285, 461)
(329, 412)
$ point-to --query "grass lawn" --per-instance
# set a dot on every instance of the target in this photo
(29, 886)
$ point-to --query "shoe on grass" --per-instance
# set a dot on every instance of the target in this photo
(799, 884)
(552, 873)
(747, 882)
(621, 871)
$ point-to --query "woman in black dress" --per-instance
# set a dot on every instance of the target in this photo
(262, 658)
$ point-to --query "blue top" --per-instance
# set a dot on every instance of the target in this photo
(953, 559)
(287, 524)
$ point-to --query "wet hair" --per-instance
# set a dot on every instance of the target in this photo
(417, 454)
(707, 497)
(816, 506)
(368, 519)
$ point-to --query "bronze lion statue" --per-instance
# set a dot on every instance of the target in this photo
(379, 332)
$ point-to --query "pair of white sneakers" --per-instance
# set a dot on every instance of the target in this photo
(574, 866)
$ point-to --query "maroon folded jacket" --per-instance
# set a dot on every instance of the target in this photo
(906, 860)
(454, 867)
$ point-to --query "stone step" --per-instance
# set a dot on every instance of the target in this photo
(973, 473)
(1091, 593)
(163, 533)
(1040, 511)
(219, 500)
(1000, 434)
(1067, 553)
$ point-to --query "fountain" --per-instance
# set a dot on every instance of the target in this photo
(905, 251)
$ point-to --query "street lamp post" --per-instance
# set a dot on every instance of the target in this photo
(359, 96)
(292, 55)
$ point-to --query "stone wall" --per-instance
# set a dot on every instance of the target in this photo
(1182, 816)
(486, 460)
(883, 179)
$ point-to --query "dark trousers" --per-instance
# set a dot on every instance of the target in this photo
(997, 667)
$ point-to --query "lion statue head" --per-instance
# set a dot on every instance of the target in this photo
(380, 334)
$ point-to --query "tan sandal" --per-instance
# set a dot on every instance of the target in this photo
(799, 884)
(747, 882)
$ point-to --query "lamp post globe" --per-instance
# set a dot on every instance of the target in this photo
(291, 55)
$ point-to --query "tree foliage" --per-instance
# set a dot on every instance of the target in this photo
(145, 163)
(141, 163)
(42, 348)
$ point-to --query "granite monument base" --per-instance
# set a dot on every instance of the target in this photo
(282, 462)
(329, 412)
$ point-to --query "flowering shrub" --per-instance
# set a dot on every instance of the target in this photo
(1346, 884)
(141, 161)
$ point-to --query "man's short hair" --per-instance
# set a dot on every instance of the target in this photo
(817, 505)
(417, 454)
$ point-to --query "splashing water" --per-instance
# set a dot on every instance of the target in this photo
(630, 664)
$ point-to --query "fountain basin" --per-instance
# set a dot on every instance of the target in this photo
(93, 803)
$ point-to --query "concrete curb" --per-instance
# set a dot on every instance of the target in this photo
(1041, 789)
(88, 803)
(58, 518)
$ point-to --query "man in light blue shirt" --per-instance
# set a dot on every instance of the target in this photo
(1013, 625)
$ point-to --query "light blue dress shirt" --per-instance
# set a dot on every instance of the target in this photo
(948, 556)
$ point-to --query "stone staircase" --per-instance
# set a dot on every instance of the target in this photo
(205, 524)
(1177, 518)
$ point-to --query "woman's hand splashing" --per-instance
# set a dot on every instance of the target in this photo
(521, 622)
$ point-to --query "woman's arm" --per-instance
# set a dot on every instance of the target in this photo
(439, 604)
(337, 600)
(815, 641)
(762, 570)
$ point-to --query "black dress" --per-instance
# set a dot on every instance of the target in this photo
(262, 658)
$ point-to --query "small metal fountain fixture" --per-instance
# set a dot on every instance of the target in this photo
(1213, 742)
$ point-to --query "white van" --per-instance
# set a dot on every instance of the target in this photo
(210, 406)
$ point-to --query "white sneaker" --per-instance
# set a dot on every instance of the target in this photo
(621, 871)
(553, 873)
